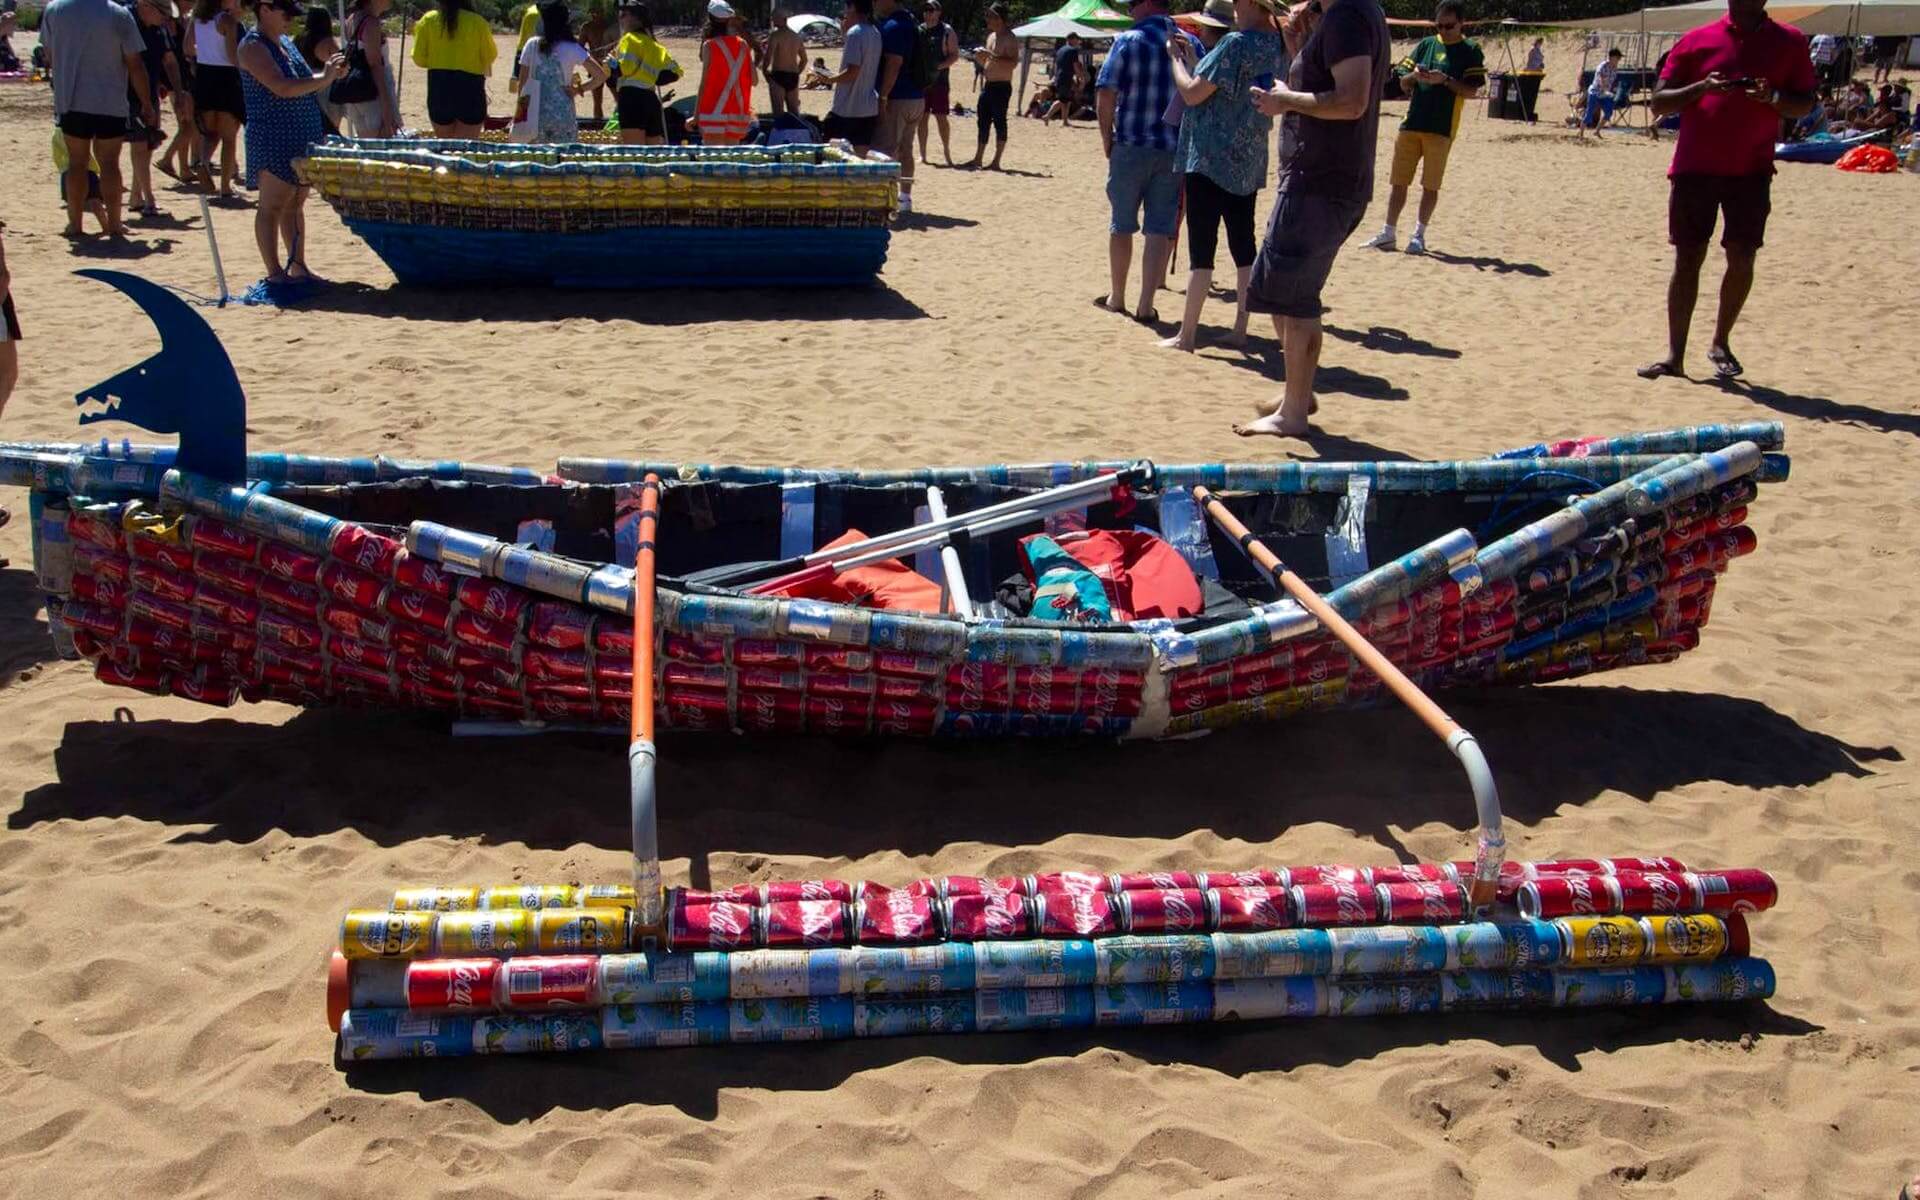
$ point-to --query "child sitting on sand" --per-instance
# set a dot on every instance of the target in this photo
(95, 205)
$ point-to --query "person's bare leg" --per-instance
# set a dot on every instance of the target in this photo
(229, 154)
(1396, 202)
(946, 139)
(1301, 339)
(9, 371)
(1683, 289)
(1429, 200)
(1242, 277)
(1153, 270)
(921, 134)
(106, 151)
(1733, 296)
(141, 153)
(266, 223)
(1119, 263)
(293, 234)
(79, 150)
(999, 148)
(1198, 283)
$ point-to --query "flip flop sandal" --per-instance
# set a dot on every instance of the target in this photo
(1150, 317)
(1726, 366)
(1659, 370)
(1100, 302)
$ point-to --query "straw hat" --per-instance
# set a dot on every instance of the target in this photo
(1218, 14)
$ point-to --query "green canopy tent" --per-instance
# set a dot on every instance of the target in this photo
(1088, 18)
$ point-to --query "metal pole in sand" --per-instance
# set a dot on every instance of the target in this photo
(1491, 845)
(213, 244)
(647, 894)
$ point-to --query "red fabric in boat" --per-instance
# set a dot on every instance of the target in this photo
(1144, 576)
(889, 585)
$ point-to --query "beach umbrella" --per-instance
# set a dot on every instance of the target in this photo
(806, 21)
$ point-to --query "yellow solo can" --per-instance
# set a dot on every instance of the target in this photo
(486, 934)
(372, 933)
(580, 930)
(1604, 941)
(529, 896)
(1694, 938)
(606, 895)
(436, 899)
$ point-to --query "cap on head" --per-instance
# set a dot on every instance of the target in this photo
(720, 10)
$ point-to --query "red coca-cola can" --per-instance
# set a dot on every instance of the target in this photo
(461, 984)
(561, 981)
(987, 916)
(896, 917)
(1425, 901)
(807, 889)
(873, 889)
(1324, 874)
(1248, 908)
(1661, 863)
(1569, 896)
(973, 885)
(1077, 882)
(1567, 866)
(723, 925)
(1738, 891)
(1647, 893)
(736, 893)
(1164, 910)
(1261, 877)
(1338, 902)
(1414, 873)
(1075, 914)
(804, 924)
(1153, 881)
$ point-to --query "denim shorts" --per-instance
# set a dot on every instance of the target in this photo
(1139, 174)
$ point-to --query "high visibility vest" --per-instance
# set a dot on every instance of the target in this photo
(726, 89)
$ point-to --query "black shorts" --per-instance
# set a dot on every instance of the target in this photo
(639, 108)
(11, 332)
(858, 130)
(217, 90)
(789, 80)
(456, 98)
(1694, 201)
(1304, 234)
(92, 125)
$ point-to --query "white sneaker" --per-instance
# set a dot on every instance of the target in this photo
(1379, 241)
(906, 206)
(1416, 245)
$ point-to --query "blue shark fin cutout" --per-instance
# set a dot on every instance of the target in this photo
(188, 388)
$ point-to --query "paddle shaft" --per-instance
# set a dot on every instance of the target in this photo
(1457, 739)
(649, 898)
(643, 576)
(943, 538)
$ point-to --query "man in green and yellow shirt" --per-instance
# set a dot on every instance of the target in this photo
(1438, 78)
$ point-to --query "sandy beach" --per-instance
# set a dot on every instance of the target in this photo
(171, 875)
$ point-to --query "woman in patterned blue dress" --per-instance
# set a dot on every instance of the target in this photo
(1222, 152)
(283, 119)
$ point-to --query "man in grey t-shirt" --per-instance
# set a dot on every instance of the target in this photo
(856, 97)
(95, 48)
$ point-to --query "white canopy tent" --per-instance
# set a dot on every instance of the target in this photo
(1051, 29)
(1858, 18)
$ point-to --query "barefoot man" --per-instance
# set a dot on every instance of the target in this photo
(1731, 82)
(1330, 119)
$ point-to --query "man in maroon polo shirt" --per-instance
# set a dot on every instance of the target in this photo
(1731, 82)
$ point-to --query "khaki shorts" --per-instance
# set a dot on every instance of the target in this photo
(899, 121)
(1428, 151)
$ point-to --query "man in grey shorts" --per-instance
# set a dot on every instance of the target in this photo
(1330, 110)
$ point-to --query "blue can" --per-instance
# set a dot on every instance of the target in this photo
(1506, 946)
(368, 1034)
(1015, 1009)
(661, 978)
(1168, 959)
(681, 1023)
(536, 1033)
(1175, 1003)
(793, 1019)
(1726, 979)
(1477, 990)
(1264, 999)
(941, 968)
(912, 1017)
(1383, 997)
(768, 974)
(1609, 987)
(1388, 950)
(1034, 964)
(1272, 954)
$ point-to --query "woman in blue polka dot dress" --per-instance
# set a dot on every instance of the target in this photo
(283, 120)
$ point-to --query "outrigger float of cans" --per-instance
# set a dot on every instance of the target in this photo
(468, 970)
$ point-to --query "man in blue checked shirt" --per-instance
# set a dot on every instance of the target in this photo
(1135, 87)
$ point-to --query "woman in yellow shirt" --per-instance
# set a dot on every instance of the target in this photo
(455, 45)
(644, 66)
(529, 30)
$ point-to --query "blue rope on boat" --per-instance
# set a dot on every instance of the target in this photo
(1486, 527)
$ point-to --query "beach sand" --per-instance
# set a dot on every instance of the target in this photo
(171, 876)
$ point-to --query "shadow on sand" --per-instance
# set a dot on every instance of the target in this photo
(1819, 408)
(693, 1081)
